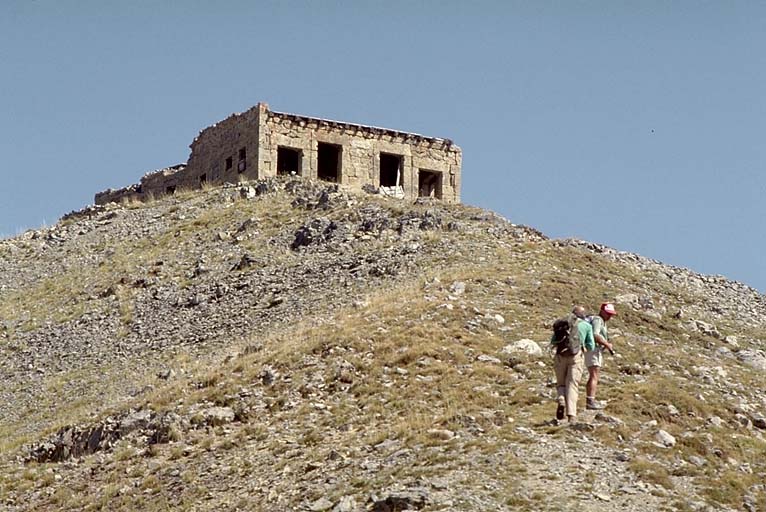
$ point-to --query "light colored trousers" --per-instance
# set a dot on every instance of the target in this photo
(568, 372)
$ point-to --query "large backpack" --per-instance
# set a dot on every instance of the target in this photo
(566, 336)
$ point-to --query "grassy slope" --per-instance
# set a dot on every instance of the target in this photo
(411, 371)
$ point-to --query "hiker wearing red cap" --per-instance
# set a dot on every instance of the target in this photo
(594, 359)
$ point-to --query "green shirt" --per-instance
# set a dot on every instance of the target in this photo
(586, 335)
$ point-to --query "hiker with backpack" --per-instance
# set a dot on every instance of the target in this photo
(594, 359)
(572, 336)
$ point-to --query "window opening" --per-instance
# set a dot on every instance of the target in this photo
(203, 179)
(229, 163)
(288, 161)
(429, 184)
(242, 164)
(328, 162)
(390, 170)
(170, 190)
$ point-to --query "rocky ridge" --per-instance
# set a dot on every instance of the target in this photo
(292, 346)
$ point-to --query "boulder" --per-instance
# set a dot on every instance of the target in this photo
(627, 299)
(706, 328)
(759, 421)
(316, 231)
(412, 499)
(320, 505)
(247, 192)
(755, 359)
(457, 288)
(218, 415)
(346, 504)
(135, 421)
(526, 346)
(664, 439)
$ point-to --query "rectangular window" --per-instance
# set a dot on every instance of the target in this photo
(229, 163)
(429, 184)
(288, 161)
(329, 162)
(390, 170)
(203, 179)
(242, 164)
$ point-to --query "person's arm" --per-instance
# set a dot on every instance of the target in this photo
(586, 335)
(598, 322)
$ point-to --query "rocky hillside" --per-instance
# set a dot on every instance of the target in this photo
(287, 345)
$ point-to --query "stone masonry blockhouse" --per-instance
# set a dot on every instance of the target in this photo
(260, 143)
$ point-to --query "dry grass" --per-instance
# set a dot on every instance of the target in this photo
(414, 361)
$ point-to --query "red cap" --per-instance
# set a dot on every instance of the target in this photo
(608, 307)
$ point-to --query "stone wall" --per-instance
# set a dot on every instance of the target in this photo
(360, 149)
(260, 143)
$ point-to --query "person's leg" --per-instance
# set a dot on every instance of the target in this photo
(572, 384)
(592, 384)
(593, 361)
(560, 368)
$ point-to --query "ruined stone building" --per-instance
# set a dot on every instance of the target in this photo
(260, 143)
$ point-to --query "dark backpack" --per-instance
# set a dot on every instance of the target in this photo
(566, 336)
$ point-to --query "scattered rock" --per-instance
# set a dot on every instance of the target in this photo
(135, 421)
(412, 499)
(759, 421)
(743, 420)
(664, 439)
(166, 374)
(247, 192)
(715, 421)
(317, 231)
(441, 434)
(605, 418)
(753, 358)
(523, 346)
(321, 505)
(706, 328)
(697, 461)
(215, 416)
(346, 504)
(628, 299)
(602, 496)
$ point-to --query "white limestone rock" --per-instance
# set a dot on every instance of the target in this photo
(525, 346)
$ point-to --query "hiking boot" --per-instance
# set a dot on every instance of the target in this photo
(593, 404)
(560, 412)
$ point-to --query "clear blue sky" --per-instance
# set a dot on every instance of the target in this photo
(641, 125)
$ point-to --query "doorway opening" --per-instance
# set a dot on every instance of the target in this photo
(328, 162)
(288, 161)
(390, 170)
(429, 184)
